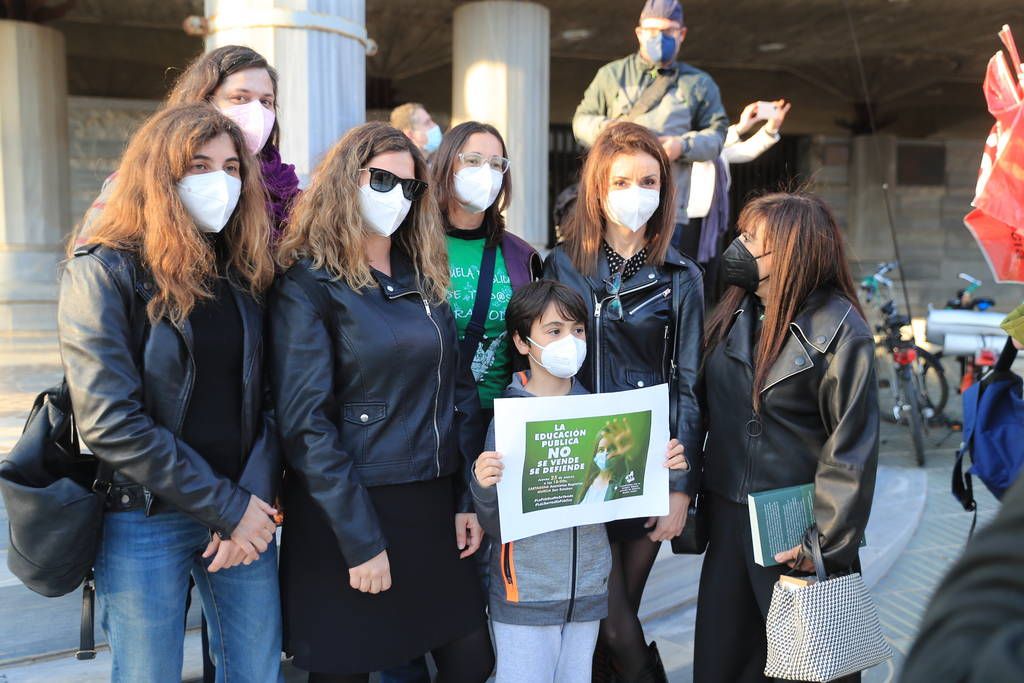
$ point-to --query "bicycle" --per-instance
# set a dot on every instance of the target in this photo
(972, 365)
(917, 380)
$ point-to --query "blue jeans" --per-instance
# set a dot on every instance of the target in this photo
(142, 571)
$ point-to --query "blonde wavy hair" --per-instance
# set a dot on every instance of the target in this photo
(326, 224)
(145, 215)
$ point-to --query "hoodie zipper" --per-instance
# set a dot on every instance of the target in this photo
(598, 303)
(572, 586)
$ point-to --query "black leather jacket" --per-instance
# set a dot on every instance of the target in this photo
(818, 421)
(369, 397)
(642, 350)
(130, 385)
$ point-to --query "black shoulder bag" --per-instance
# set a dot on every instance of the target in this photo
(694, 539)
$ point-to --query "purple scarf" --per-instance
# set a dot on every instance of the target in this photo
(717, 220)
(282, 185)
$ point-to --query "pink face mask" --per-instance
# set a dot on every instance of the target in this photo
(255, 120)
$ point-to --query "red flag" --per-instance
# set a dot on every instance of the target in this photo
(997, 221)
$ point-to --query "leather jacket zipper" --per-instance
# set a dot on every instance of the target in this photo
(598, 303)
(663, 295)
(437, 388)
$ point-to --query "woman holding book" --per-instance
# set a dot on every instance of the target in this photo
(791, 399)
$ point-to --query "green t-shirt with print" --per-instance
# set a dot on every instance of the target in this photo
(492, 364)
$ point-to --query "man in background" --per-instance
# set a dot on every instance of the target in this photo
(414, 121)
(678, 103)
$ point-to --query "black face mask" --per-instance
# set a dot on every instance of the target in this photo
(739, 267)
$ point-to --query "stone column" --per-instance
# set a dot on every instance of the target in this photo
(500, 75)
(34, 215)
(319, 49)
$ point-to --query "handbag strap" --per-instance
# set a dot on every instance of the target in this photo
(86, 631)
(1006, 358)
(652, 94)
(674, 317)
(819, 562)
(481, 305)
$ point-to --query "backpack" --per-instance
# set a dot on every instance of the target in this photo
(993, 416)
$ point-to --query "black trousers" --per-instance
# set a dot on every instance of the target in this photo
(730, 644)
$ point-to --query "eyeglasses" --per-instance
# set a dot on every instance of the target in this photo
(385, 181)
(613, 285)
(475, 160)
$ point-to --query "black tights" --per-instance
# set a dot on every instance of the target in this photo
(469, 659)
(621, 634)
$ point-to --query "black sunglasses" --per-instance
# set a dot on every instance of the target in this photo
(385, 181)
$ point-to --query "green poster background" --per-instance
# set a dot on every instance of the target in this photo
(560, 467)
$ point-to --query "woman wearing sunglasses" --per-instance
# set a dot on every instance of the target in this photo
(617, 255)
(374, 425)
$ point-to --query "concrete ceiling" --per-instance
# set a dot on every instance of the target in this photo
(923, 56)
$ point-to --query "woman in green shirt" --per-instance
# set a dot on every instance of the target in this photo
(473, 184)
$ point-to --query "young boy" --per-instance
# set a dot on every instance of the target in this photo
(545, 618)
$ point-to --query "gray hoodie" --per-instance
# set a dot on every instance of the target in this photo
(549, 579)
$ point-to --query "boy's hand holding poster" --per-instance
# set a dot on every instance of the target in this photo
(573, 460)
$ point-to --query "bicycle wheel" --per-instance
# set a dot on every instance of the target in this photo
(934, 389)
(912, 394)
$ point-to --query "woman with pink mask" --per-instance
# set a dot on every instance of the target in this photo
(241, 83)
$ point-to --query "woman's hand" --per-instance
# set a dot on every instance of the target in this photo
(372, 576)
(747, 119)
(225, 554)
(790, 558)
(255, 530)
(487, 469)
(774, 124)
(674, 456)
(671, 525)
(468, 533)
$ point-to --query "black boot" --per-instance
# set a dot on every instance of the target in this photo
(654, 672)
(603, 669)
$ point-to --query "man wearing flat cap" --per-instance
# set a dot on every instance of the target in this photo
(678, 103)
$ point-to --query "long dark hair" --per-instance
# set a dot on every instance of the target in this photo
(584, 228)
(205, 74)
(444, 176)
(808, 253)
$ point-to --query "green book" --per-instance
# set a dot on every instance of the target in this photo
(778, 520)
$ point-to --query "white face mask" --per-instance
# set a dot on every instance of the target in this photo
(562, 358)
(633, 206)
(255, 120)
(210, 198)
(384, 211)
(477, 187)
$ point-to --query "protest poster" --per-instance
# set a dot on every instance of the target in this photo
(582, 459)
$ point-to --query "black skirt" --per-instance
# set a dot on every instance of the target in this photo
(434, 599)
(627, 529)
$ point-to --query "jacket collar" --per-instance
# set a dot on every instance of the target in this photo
(402, 280)
(648, 273)
(817, 324)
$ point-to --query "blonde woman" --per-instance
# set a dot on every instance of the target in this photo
(160, 326)
(375, 430)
